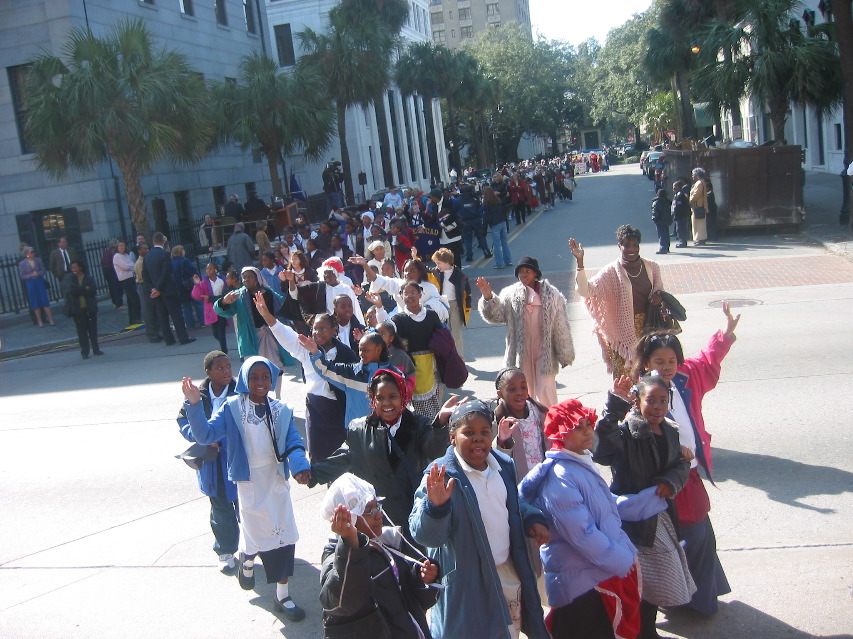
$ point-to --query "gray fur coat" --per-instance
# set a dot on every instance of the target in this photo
(507, 307)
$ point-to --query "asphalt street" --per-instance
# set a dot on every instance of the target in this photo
(105, 534)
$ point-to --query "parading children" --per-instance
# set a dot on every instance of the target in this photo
(468, 515)
(643, 450)
(692, 378)
(264, 448)
(520, 421)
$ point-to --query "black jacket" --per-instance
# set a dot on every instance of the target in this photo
(157, 271)
(662, 211)
(637, 462)
(462, 288)
(681, 204)
(361, 598)
(73, 290)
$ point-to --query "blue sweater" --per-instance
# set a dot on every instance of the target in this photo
(228, 423)
(472, 603)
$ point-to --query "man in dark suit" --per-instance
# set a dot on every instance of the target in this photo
(349, 329)
(61, 258)
(157, 271)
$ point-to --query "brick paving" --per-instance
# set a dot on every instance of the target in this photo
(724, 275)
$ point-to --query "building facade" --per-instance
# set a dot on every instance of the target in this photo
(36, 209)
(405, 114)
(455, 21)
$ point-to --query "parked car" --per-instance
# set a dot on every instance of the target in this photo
(647, 163)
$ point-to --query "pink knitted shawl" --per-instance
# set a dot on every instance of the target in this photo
(610, 304)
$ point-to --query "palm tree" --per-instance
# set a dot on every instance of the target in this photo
(843, 21)
(276, 112)
(417, 72)
(353, 64)
(392, 14)
(774, 60)
(116, 98)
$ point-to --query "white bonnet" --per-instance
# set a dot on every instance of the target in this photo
(350, 491)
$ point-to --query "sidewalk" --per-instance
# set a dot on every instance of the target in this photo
(19, 337)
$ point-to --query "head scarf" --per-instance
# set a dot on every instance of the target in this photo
(471, 406)
(366, 214)
(243, 375)
(350, 491)
(254, 270)
(405, 385)
(564, 417)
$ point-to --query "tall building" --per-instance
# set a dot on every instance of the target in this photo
(36, 209)
(407, 128)
(455, 21)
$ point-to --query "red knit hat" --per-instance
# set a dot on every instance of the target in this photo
(564, 417)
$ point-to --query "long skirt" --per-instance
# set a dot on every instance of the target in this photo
(37, 293)
(664, 574)
(705, 567)
(325, 429)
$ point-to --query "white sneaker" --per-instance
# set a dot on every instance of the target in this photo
(227, 563)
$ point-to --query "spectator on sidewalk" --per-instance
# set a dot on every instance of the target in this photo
(241, 250)
(143, 290)
(61, 258)
(81, 304)
(157, 271)
(116, 293)
(31, 270)
(123, 262)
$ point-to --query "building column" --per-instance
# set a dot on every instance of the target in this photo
(411, 107)
(443, 167)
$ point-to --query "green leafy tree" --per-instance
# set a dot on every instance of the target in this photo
(776, 62)
(352, 59)
(842, 13)
(276, 112)
(116, 97)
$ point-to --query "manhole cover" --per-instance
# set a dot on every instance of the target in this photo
(735, 303)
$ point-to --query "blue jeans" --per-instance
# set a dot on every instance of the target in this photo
(500, 245)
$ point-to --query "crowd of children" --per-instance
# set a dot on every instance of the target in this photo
(494, 509)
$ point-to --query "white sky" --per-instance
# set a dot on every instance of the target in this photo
(574, 21)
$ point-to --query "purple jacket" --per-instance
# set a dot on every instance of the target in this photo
(587, 544)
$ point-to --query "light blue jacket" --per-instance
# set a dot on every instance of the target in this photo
(587, 544)
(472, 603)
(227, 423)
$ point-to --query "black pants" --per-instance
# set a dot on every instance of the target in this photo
(86, 322)
(584, 618)
(520, 212)
(167, 307)
(116, 293)
(220, 330)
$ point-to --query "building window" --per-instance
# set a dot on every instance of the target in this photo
(187, 7)
(221, 12)
(495, 25)
(437, 18)
(182, 206)
(284, 44)
(434, 2)
(439, 36)
(450, 14)
(464, 14)
(18, 83)
(492, 10)
(219, 198)
(453, 33)
(466, 32)
(839, 138)
(249, 12)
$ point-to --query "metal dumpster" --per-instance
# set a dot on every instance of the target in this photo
(754, 187)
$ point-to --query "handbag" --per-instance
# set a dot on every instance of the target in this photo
(699, 212)
(660, 318)
(198, 455)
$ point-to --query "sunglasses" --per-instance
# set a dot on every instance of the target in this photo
(377, 510)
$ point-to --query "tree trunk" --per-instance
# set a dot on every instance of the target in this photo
(554, 149)
(384, 140)
(676, 103)
(135, 196)
(778, 106)
(689, 122)
(342, 138)
(272, 164)
(843, 13)
(432, 151)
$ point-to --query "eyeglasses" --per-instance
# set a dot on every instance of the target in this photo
(377, 510)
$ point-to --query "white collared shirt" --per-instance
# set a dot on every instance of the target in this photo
(490, 489)
(217, 400)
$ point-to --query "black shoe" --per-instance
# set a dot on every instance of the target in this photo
(189, 340)
(293, 613)
(85, 355)
(172, 343)
(246, 581)
(155, 340)
(498, 268)
(509, 263)
(661, 252)
(469, 259)
(488, 254)
(98, 352)
(681, 245)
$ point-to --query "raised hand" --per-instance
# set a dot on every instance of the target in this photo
(286, 275)
(190, 390)
(414, 252)
(357, 290)
(437, 491)
(577, 250)
(342, 525)
(731, 322)
(357, 333)
(506, 427)
(622, 387)
(374, 298)
(358, 259)
(447, 409)
(308, 344)
(231, 297)
(540, 534)
(263, 311)
(485, 288)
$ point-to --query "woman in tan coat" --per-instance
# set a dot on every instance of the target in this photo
(699, 206)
